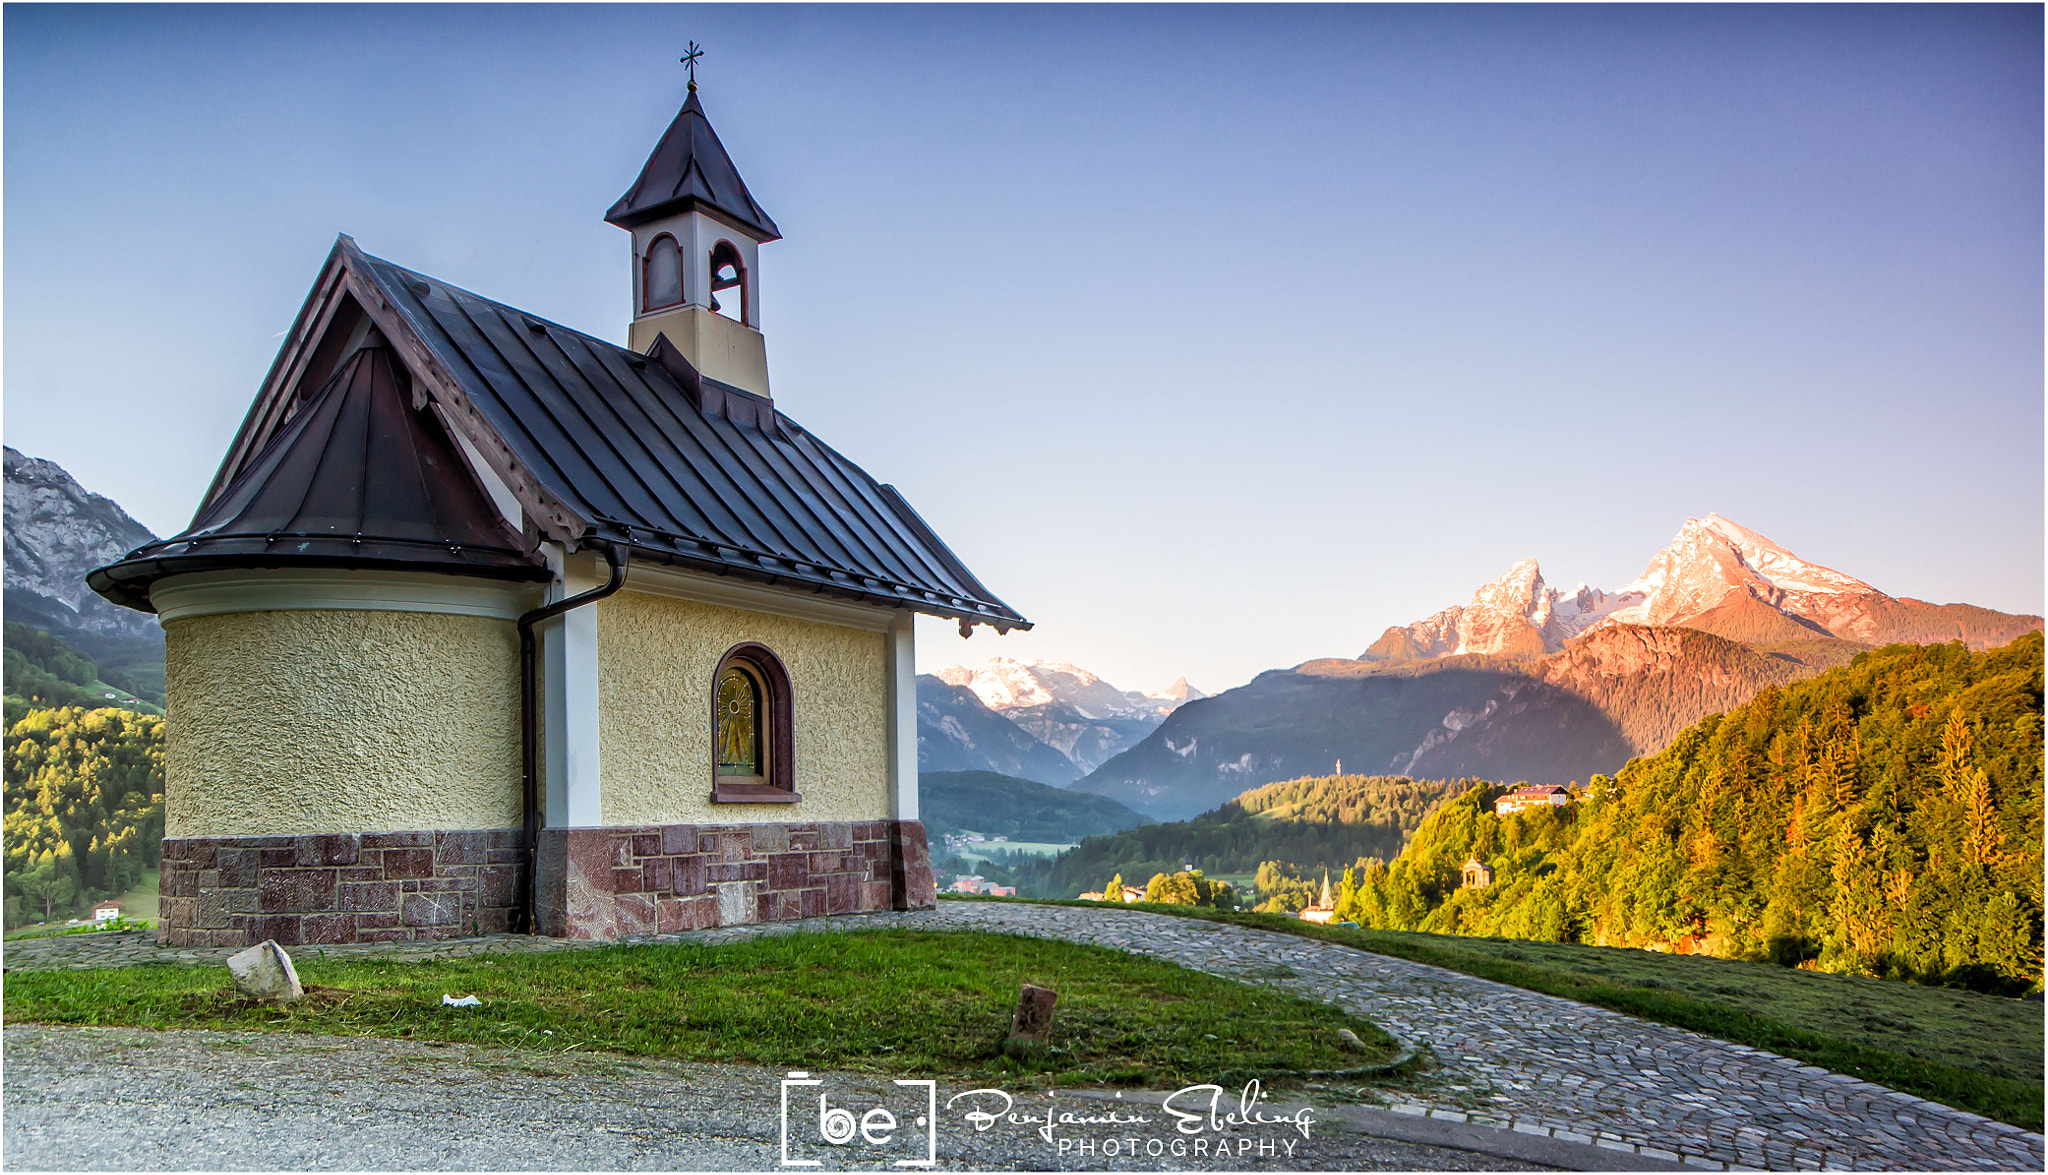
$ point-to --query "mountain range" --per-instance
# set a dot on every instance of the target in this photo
(1530, 682)
(55, 532)
(1522, 682)
(1715, 576)
(1083, 718)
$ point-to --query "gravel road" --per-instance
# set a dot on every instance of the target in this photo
(97, 1099)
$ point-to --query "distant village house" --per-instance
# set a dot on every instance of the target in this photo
(1131, 893)
(975, 883)
(1526, 797)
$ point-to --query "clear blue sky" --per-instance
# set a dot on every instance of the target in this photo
(1213, 338)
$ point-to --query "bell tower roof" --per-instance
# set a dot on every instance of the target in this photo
(690, 170)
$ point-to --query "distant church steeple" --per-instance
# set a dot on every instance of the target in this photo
(696, 238)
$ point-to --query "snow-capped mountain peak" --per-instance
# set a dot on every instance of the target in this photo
(1779, 566)
(1712, 561)
(1178, 694)
(1715, 575)
(1006, 684)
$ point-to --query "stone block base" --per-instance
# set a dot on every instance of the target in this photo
(595, 883)
(340, 887)
(614, 882)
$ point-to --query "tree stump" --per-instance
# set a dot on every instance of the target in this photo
(1032, 1025)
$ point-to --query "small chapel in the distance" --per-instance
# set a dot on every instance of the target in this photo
(488, 624)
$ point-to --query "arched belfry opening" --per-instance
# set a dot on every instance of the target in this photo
(729, 277)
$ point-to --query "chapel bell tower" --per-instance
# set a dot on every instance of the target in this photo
(697, 233)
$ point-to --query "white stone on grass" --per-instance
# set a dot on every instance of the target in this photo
(265, 972)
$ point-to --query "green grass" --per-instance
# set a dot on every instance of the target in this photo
(1975, 1052)
(141, 903)
(882, 1001)
(112, 925)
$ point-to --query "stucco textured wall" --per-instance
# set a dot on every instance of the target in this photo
(340, 721)
(656, 657)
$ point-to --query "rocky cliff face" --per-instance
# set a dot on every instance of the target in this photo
(955, 732)
(56, 531)
(1517, 615)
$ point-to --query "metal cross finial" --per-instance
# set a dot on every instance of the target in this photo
(689, 60)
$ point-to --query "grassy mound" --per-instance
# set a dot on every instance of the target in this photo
(885, 1001)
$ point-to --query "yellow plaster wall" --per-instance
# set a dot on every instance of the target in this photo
(656, 657)
(340, 721)
(725, 350)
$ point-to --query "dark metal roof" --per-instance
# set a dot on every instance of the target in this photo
(360, 476)
(684, 469)
(689, 167)
(599, 443)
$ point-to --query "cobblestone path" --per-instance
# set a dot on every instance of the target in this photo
(1516, 1059)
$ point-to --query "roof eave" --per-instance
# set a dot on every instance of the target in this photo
(128, 582)
(761, 230)
(1000, 621)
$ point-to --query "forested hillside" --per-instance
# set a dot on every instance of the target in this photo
(42, 669)
(1003, 805)
(84, 808)
(1310, 823)
(1883, 818)
(1655, 682)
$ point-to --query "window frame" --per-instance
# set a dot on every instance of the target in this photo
(647, 303)
(776, 783)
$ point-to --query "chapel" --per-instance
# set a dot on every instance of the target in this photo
(489, 624)
(1474, 873)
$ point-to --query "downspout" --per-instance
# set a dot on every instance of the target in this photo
(529, 718)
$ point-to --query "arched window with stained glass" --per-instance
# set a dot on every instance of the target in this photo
(750, 729)
(739, 725)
